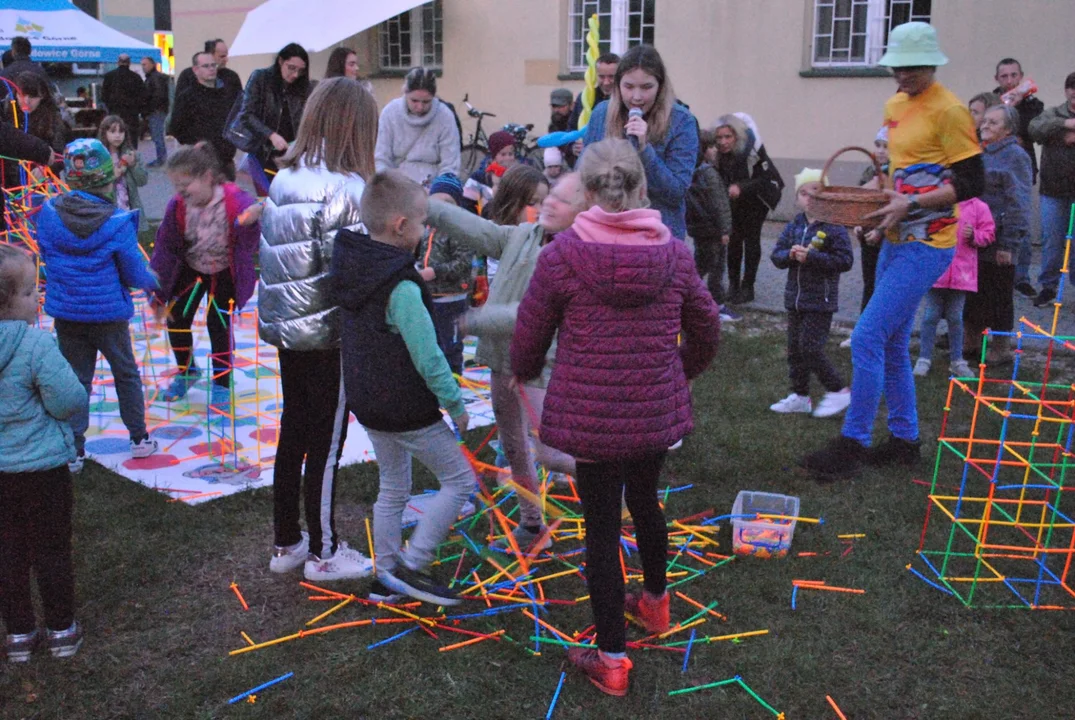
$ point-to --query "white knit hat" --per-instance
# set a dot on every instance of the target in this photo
(553, 156)
(807, 175)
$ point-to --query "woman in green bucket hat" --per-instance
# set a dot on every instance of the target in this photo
(934, 162)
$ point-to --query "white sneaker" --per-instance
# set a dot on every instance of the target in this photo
(286, 559)
(921, 368)
(75, 466)
(676, 445)
(846, 343)
(144, 447)
(833, 403)
(961, 368)
(793, 403)
(346, 564)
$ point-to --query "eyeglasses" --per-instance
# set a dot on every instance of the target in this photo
(299, 69)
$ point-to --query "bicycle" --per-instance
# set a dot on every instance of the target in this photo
(476, 150)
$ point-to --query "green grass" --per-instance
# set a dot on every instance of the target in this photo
(153, 593)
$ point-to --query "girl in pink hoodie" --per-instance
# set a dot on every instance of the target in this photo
(635, 325)
(946, 298)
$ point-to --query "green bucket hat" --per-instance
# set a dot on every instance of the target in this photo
(913, 44)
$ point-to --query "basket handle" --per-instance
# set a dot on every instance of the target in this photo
(841, 151)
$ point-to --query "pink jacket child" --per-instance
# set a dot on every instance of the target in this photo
(962, 274)
(622, 292)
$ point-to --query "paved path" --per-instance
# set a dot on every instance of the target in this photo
(769, 290)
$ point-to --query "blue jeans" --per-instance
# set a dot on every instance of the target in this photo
(1022, 261)
(880, 344)
(949, 305)
(156, 131)
(80, 343)
(1055, 216)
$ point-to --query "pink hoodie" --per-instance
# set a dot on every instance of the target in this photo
(962, 274)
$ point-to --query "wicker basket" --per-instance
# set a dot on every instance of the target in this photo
(843, 205)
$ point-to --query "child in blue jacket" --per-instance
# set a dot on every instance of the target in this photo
(91, 255)
(38, 393)
(814, 253)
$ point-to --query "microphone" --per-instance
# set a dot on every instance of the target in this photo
(634, 113)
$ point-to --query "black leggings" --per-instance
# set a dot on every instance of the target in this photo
(217, 320)
(313, 428)
(35, 534)
(868, 255)
(600, 486)
(745, 240)
(993, 305)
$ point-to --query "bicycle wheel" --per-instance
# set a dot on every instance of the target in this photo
(470, 159)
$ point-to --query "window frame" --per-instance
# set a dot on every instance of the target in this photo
(419, 19)
(872, 32)
(617, 20)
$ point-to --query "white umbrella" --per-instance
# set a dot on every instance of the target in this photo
(60, 32)
(314, 24)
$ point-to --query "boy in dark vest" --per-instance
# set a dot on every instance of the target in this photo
(397, 380)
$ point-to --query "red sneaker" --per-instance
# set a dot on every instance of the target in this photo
(608, 674)
(648, 611)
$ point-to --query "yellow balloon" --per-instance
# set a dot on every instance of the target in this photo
(593, 49)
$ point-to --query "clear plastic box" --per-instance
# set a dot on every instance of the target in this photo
(763, 538)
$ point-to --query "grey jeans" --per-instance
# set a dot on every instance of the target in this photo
(436, 448)
(80, 343)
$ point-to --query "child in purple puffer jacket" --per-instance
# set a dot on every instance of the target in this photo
(621, 291)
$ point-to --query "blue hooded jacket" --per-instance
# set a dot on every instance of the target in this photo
(91, 255)
(39, 392)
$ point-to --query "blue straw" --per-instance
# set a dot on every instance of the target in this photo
(555, 696)
(251, 691)
(687, 656)
(795, 592)
(397, 636)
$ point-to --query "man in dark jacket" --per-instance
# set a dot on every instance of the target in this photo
(20, 51)
(1009, 75)
(201, 111)
(219, 50)
(606, 79)
(155, 109)
(123, 94)
(1055, 130)
(560, 120)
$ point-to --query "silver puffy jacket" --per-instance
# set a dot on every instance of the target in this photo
(305, 208)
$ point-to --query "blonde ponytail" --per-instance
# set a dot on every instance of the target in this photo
(613, 176)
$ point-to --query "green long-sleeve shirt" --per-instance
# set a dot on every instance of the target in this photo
(407, 315)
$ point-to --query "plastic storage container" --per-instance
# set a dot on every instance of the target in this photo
(763, 538)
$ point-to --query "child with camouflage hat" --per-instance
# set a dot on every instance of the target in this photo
(91, 255)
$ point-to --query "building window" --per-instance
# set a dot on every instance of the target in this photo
(854, 33)
(624, 24)
(415, 37)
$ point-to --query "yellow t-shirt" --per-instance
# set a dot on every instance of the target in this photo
(927, 134)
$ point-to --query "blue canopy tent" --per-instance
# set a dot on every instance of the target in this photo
(60, 32)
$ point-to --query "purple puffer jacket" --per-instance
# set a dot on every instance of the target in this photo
(168, 250)
(621, 292)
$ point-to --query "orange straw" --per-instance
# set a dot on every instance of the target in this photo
(836, 708)
(235, 589)
(490, 636)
